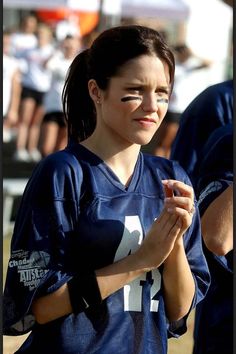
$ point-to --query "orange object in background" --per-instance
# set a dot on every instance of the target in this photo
(87, 20)
(52, 16)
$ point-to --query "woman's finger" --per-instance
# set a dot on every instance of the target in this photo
(184, 215)
(168, 191)
(179, 188)
(182, 202)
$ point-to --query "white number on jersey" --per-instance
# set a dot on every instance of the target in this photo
(130, 242)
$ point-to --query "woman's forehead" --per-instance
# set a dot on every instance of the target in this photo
(144, 68)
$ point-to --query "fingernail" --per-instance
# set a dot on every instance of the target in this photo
(170, 184)
(170, 210)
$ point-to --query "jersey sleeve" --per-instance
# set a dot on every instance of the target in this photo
(45, 224)
(216, 168)
(196, 260)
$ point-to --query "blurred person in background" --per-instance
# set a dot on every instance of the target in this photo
(213, 330)
(106, 253)
(184, 91)
(26, 37)
(69, 26)
(36, 82)
(211, 109)
(11, 90)
(53, 130)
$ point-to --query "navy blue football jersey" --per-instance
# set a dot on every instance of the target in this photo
(213, 332)
(75, 215)
(210, 110)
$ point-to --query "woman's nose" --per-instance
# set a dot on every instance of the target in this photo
(149, 103)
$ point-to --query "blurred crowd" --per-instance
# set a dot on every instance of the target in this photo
(36, 58)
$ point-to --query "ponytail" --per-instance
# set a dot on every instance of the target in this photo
(78, 106)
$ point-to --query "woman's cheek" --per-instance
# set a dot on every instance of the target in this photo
(134, 105)
(163, 111)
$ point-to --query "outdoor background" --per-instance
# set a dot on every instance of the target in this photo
(204, 26)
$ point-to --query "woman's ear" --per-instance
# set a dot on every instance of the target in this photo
(94, 91)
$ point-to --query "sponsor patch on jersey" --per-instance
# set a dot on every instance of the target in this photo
(31, 266)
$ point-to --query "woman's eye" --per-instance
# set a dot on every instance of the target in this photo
(134, 89)
(133, 94)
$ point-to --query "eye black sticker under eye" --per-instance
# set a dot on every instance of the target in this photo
(130, 98)
(162, 100)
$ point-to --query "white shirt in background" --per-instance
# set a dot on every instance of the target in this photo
(58, 65)
(36, 75)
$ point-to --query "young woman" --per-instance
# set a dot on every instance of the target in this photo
(106, 255)
(36, 80)
(53, 129)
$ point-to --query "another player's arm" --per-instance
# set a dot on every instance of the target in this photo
(217, 223)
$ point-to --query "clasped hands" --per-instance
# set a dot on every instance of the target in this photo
(169, 227)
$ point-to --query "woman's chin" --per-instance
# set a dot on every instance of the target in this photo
(143, 140)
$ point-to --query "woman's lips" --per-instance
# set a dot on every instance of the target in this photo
(145, 121)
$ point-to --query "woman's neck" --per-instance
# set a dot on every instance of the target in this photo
(121, 158)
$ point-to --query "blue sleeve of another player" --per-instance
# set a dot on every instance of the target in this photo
(45, 224)
(196, 260)
(216, 168)
(215, 175)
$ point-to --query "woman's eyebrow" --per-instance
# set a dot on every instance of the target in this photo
(143, 85)
(164, 89)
